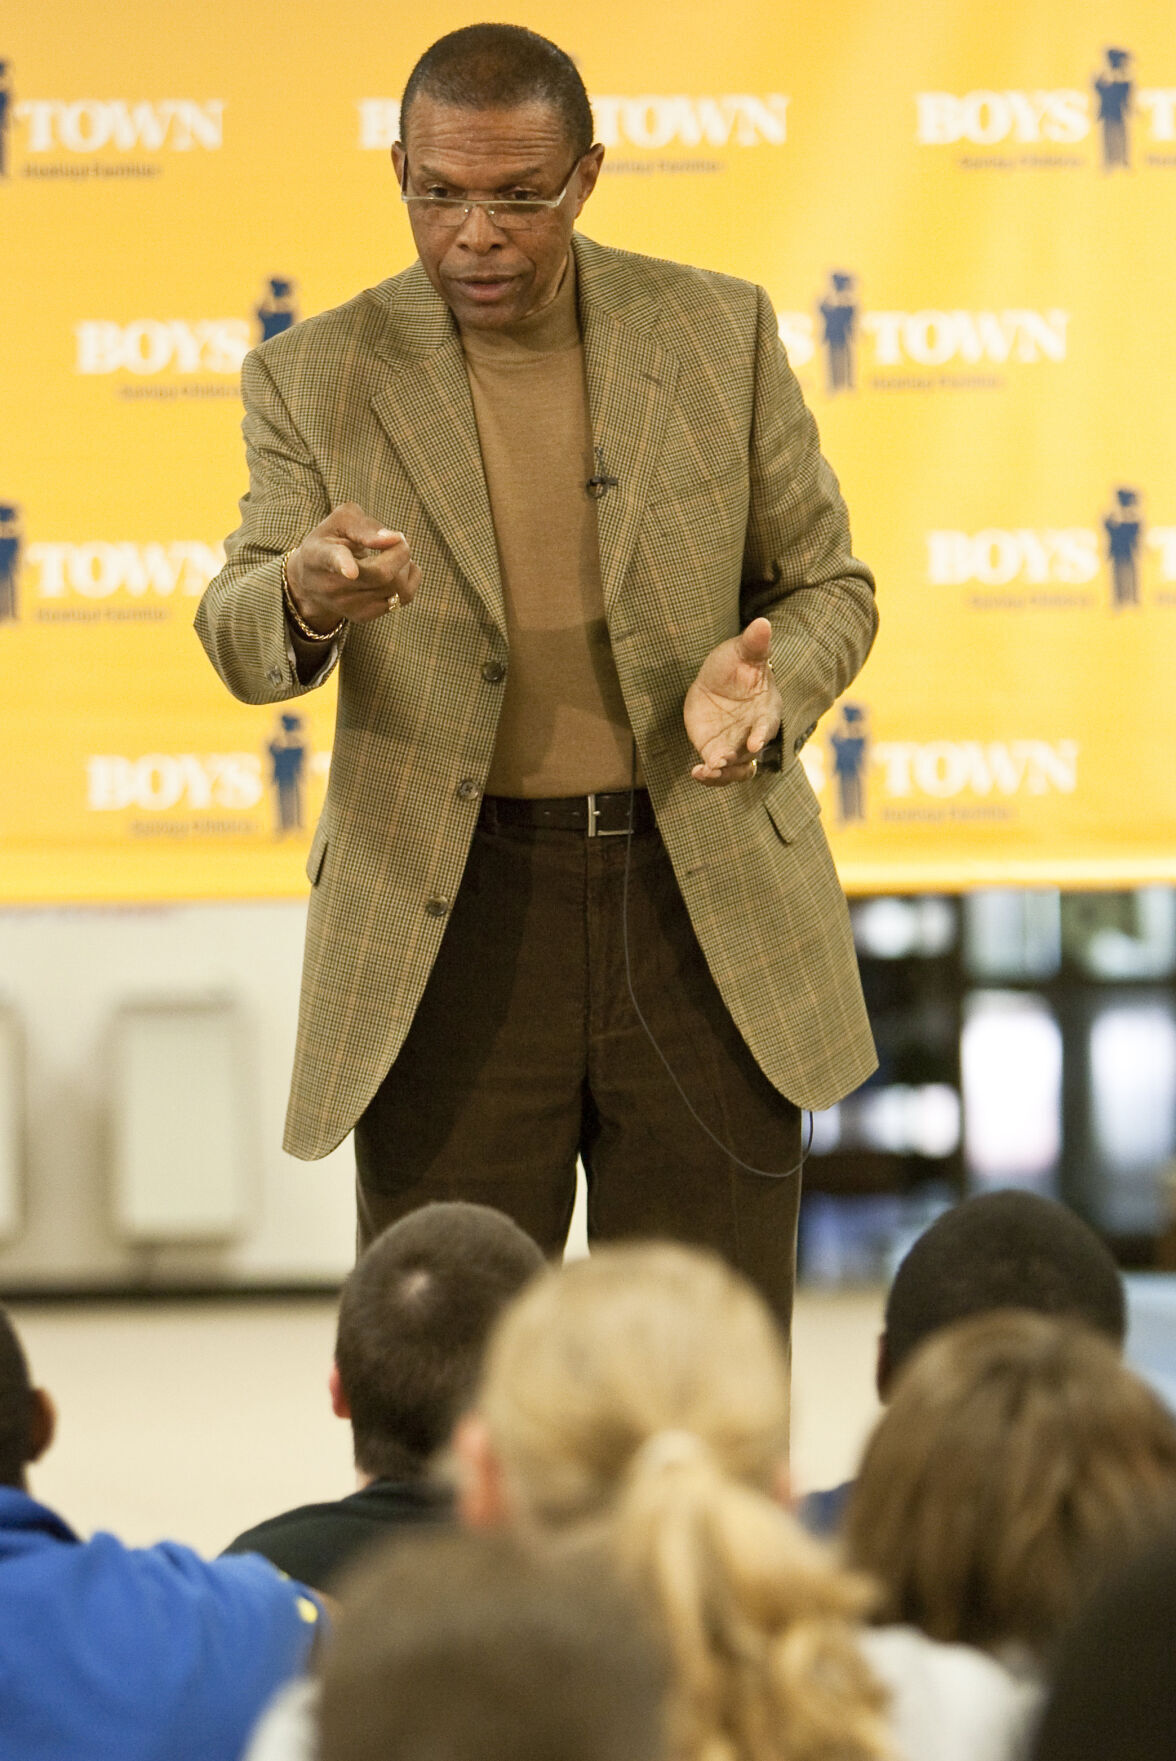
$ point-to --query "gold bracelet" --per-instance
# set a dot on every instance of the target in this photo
(292, 613)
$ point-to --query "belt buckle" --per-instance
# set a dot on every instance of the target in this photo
(594, 830)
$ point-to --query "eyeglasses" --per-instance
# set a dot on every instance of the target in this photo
(447, 213)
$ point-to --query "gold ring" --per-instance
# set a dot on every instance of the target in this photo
(754, 768)
(394, 602)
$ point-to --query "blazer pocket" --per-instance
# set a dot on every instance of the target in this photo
(731, 483)
(791, 802)
(318, 852)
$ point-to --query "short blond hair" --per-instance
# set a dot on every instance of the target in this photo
(1017, 1458)
(639, 1399)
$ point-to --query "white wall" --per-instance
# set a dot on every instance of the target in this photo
(63, 976)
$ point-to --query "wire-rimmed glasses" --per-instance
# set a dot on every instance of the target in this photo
(448, 213)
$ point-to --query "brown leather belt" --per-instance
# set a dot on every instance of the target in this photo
(595, 816)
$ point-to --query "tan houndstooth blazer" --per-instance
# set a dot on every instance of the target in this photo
(724, 509)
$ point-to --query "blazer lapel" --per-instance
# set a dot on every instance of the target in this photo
(631, 380)
(424, 407)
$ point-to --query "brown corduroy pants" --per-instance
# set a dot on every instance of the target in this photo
(526, 1052)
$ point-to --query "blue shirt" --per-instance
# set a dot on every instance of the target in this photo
(111, 1653)
(822, 1513)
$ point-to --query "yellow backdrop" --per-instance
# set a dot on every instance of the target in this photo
(966, 217)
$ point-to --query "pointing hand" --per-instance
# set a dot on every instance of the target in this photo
(350, 567)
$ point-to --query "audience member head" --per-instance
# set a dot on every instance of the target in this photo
(1018, 1457)
(1114, 1688)
(472, 1648)
(26, 1413)
(639, 1400)
(414, 1318)
(1001, 1250)
(501, 67)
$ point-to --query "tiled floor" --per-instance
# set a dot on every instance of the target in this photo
(194, 1420)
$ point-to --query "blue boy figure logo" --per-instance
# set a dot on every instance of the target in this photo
(287, 752)
(1124, 529)
(5, 117)
(1113, 86)
(277, 311)
(839, 314)
(9, 562)
(849, 741)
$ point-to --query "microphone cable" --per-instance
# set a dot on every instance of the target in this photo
(764, 1173)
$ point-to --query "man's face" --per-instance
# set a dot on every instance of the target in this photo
(487, 277)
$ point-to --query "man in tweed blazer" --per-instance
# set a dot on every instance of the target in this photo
(721, 530)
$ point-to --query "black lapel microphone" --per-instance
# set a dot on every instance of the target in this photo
(600, 484)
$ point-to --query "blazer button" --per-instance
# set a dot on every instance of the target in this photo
(468, 789)
(493, 672)
(437, 908)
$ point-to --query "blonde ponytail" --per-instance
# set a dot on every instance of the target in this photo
(757, 1617)
(639, 1399)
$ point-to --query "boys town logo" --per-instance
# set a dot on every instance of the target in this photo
(218, 793)
(1119, 562)
(101, 137)
(933, 780)
(1125, 122)
(182, 357)
(898, 348)
(651, 123)
(647, 122)
(103, 581)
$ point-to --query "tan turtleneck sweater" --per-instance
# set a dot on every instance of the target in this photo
(564, 729)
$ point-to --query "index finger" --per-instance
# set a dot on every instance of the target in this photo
(357, 529)
(332, 556)
(385, 572)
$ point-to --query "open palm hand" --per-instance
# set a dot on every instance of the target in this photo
(733, 707)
